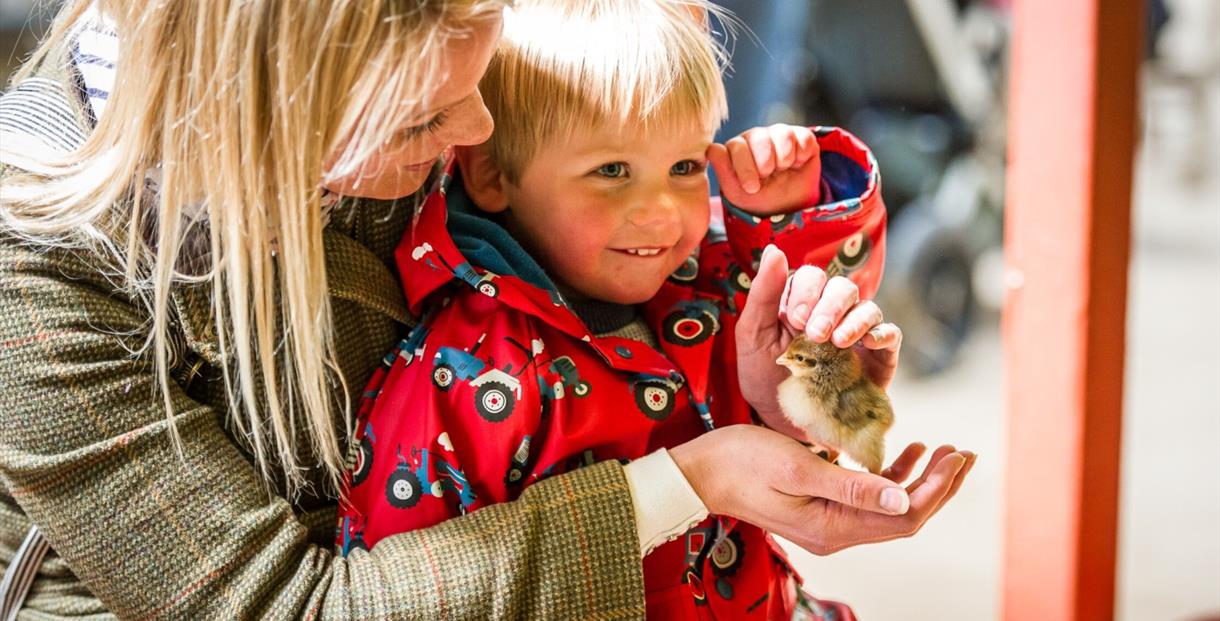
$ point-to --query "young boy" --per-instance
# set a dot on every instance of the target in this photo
(576, 306)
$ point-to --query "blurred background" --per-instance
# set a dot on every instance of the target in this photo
(923, 83)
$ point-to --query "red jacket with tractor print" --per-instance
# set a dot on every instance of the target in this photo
(501, 384)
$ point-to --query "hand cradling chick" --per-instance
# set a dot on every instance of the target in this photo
(831, 398)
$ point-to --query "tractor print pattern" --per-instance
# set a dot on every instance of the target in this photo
(501, 385)
(496, 391)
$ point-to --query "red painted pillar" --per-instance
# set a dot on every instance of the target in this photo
(1067, 235)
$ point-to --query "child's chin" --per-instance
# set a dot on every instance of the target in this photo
(622, 290)
(628, 298)
(628, 295)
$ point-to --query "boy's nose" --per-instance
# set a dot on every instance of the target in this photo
(656, 211)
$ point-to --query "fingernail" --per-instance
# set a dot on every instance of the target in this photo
(821, 329)
(841, 336)
(766, 252)
(895, 501)
(800, 313)
(876, 333)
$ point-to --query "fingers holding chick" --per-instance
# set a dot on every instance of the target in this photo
(838, 297)
(882, 336)
(803, 290)
(862, 317)
(830, 310)
(879, 347)
(818, 306)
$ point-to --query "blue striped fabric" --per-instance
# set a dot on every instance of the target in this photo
(95, 52)
(36, 115)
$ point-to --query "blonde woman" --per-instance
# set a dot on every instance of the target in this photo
(198, 204)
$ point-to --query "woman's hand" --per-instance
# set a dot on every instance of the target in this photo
(780, 306)
(772, 481)
(769, 170)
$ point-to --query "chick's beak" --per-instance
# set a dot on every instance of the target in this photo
(782, 360)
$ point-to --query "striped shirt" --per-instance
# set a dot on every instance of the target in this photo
(95, 52)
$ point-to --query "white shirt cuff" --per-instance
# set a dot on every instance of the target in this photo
(665, 504)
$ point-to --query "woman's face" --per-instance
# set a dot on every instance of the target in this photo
(456, 116)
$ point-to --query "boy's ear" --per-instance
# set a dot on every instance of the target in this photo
(482, 178)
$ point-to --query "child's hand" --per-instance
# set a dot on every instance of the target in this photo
(769, 170)
(779, 306)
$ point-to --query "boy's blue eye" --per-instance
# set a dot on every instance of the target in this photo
(686, 168)
(613, 170)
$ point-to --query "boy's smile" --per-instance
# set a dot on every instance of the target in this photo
(611, 213)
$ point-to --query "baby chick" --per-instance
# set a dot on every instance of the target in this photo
(829, 396)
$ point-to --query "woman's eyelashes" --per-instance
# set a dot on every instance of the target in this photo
(431, 126)
(620, 170)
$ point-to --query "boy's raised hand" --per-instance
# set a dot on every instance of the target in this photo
(769, 170)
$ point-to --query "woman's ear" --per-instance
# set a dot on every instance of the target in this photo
(482, 178)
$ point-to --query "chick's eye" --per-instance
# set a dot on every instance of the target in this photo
(613, 170)
(686, 168)
(800, 358)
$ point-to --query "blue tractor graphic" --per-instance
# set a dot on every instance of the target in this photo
(778, 222)
(364, 456)
(727, 554)
(850, 257)
(691, 322)
(781, 221)
(496, 390)
(560, 374)
(654, 395)
(412, 347)
(732, 282)
(563, 370)
(688, 271)
(520, 462)
(406, 485)
(722, 550)
(350, 536)
(464, 271)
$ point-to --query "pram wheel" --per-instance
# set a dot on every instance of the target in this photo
(929, 290)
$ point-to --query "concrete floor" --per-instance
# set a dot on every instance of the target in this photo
(1169, 548)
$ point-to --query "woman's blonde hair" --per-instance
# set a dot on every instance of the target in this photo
(563, 65)
(239, 105)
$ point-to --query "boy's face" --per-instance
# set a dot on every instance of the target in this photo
(611, 213)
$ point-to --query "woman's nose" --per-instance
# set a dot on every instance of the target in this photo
(472, 124)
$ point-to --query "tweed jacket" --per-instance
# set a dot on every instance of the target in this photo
(139, 532)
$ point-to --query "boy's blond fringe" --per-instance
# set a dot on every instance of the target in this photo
(563, 65)
(237, 104)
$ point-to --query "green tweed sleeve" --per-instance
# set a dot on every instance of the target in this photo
(86, 455)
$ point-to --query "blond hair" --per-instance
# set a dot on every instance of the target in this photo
(562, 65)
(239, 105)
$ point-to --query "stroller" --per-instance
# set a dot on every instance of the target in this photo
(920, 81)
